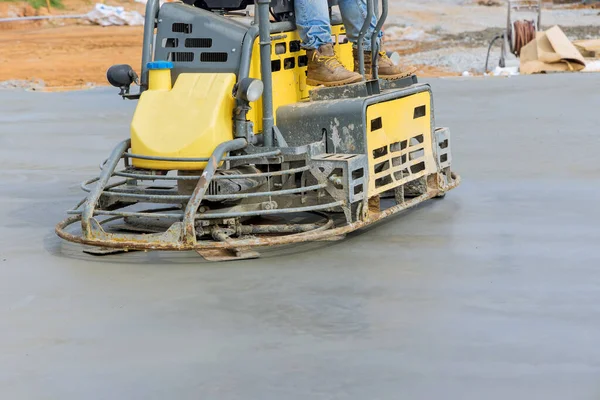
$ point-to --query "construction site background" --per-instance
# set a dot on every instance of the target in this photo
(442, 38)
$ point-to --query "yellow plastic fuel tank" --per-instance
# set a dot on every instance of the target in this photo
(188, 120)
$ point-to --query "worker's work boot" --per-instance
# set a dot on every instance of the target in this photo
(385, 67)
(325, 69)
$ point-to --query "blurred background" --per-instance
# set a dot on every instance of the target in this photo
(64, 44)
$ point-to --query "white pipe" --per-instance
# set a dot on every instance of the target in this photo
(41, 17)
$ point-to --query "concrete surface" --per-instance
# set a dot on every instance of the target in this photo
(491, 293)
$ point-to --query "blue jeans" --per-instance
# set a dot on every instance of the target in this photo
(312, 21)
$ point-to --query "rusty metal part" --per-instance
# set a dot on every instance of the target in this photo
(266, 229)
(228, 254)
(232, 253)
(189, 217)
(107, 170)
(322, 233)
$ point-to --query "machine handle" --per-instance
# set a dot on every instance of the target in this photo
(376, 30)
(361, 36)
(152, 7)
(374, 45)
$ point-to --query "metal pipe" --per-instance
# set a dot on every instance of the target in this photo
(241, 115)
(152, 7)
(196, 177)
(85, 188)
(203, 159)
(213, 215)
(125, 214)
(265, 229)
(246, 58)
(375, 47)
(130, 214)
(105, 175)
(265, 70)
(189, 233)
(235, 196)
(248, 45)
(264, 174)
(165, 198)
(241, 112)
(276, 211)
(43, 17)
(361, 36)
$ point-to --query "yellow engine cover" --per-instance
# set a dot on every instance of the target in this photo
(289, 65)
(399, 142)
(188, 121)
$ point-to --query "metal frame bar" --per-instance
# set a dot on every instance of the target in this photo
(203, 159)
(375, 46)
(234, 196)
(264, 32)
(94, 196)
(213, 214)
(189, 233)
(152, 7)
(216, 177)
(361, 36)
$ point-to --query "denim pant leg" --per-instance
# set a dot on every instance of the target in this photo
(312, 22)
(354, 13)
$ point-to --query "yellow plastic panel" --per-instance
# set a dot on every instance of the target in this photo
(399, 142)
(289, 74)
(188, 121)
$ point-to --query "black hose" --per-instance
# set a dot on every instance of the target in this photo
(487, 58)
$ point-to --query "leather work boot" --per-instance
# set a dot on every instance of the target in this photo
(386, 68)
(325, 69)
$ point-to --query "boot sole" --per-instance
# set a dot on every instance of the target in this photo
(393, 77)
(312, 82)
(399, 76)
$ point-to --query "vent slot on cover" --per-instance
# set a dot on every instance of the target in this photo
(213, 57)
(180, 27)
(181, 56)
(198, 42)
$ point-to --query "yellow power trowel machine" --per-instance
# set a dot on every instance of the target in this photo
(230, 150)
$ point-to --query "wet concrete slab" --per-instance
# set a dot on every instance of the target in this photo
(493, 292)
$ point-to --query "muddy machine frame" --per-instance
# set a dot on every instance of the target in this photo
(231, 151)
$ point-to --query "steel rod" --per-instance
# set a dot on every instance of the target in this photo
(265, 70)
(215, 215)
(375, 46)
(152, 7)
(270, 212)
(202, 159)
(39, 17)
(216, 177)
(105, 175)
(189, 234)
(361, 36)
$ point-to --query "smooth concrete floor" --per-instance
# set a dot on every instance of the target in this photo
(491, 293)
